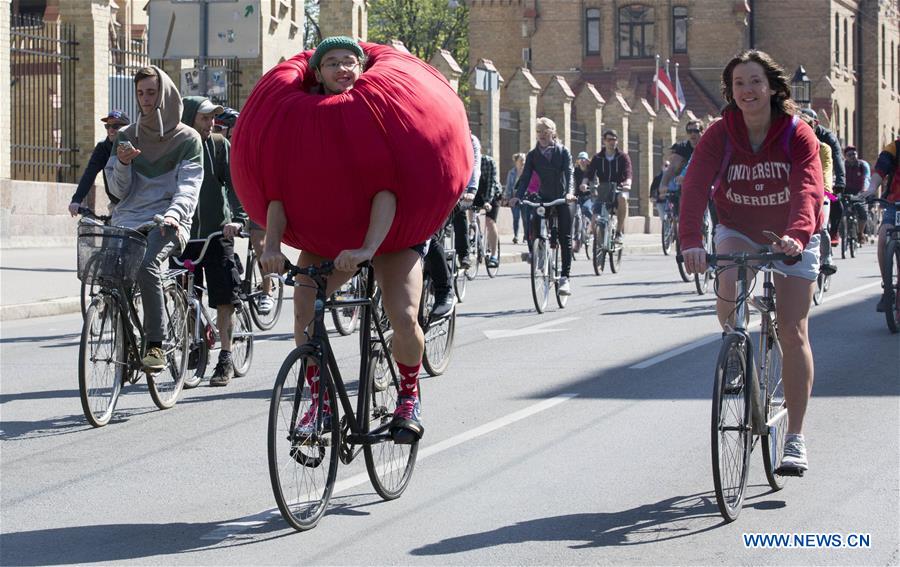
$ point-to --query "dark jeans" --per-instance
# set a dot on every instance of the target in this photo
(516, 214)
(562, 233)
(461, 230)
(436, 264)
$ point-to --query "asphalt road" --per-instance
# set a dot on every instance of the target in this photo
(582, 441)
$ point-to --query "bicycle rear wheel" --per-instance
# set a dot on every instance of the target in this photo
(264, 321)
(302, 465)
(389, 465)
(165, 386)
(198, 355)
(346, 319)
(588, 240)
(851, 236)
(540, 276)
(844, 233)
(666, 234)
(241, 341)
(439, 334)
(731, 434)
(775, 409)
(102, 360)
(892, 286)
(475, 251)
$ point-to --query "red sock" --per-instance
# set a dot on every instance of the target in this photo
(312, 378)
(409, 379)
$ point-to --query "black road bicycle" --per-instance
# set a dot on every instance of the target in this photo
(307, 435)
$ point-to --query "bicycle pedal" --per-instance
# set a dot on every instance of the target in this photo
(789, 471)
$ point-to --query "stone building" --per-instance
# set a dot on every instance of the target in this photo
(850, 51)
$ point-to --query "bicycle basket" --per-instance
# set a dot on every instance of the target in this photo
(605, 192)
(109, 254)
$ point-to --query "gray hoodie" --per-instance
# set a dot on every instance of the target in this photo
(165, 178)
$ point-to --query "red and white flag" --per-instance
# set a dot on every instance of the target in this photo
(665, 92)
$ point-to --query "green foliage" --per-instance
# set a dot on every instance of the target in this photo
(424, 26)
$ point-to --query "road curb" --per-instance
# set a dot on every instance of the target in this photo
(46, 308)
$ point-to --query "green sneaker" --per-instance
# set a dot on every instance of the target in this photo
(155, 360)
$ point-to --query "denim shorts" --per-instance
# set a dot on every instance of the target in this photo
(808, 266)
(890, 215)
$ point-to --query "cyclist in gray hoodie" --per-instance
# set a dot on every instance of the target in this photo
(157, 169)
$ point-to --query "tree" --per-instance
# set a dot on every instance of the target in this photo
(312, 35)
(424, 26)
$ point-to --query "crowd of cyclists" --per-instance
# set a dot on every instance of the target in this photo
(765, 167)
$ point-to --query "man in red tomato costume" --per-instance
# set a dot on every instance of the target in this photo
(355, 153)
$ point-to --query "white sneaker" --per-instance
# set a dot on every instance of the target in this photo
(794, 453)
(564, 288)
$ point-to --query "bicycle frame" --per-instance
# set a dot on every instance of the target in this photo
(321, 345)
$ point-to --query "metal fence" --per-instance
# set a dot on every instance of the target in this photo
(42, 101)
(124, 61)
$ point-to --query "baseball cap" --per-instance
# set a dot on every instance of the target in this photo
(583, 155)
(810, 112)
(117, 116)
(208, 107)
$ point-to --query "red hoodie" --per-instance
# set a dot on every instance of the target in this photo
(766, 190)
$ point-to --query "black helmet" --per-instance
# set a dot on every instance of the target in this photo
(227, 118)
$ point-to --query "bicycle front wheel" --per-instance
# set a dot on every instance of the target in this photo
(540, 274)
(492, 271)
(198, 356)
(241, 341)
(389, 465)
(475, 251)
(819, 291)
(438, 334)
(844, 234)
(102, 360)
(303, 440)
(267, 320)
(599, 252)
(666, 234)
(680, 263)
(775, 408)
(731, 434)
(166, 386)
(615, 250)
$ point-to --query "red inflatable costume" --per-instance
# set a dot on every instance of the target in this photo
(401, 128)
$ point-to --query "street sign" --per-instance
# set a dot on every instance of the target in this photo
(216, 83)
(233, 28)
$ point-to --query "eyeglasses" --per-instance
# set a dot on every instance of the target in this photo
(348, 64)
(694, 131)
(113, 126)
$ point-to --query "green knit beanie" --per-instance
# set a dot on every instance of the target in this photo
(335, 42)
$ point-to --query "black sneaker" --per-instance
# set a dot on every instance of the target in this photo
(444, 300)
(223, 373)
(465, 262)
(883, 303)
(828, 269)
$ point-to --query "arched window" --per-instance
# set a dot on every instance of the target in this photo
(679, 29)
(837, 39)
(636, 32)
(846, 51)
(592, 31)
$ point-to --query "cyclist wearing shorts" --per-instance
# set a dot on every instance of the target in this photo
(769, 178)
(886, 169)
(488, 196)
(338, 63)
(157, 169)
(218, 209)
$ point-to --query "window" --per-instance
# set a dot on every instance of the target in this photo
(592, 31)
(883, 58)
(893, 76)
(837, 39)
(636, 32)
(679, 29)
(846, 51)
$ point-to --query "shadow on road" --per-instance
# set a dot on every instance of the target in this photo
(668, 519)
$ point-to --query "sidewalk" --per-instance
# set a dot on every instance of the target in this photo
(40, 282)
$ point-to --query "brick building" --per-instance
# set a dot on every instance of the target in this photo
(850, 53)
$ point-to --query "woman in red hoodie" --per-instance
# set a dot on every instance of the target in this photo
(770, 181)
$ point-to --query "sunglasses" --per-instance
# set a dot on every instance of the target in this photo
(611, 139)
(694, 131)
(113, 126)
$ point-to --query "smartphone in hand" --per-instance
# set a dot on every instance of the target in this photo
(773, 238)
(127, 146)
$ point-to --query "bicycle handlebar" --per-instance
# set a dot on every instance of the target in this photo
(560, 201)
(190, 263)
(316, 272)
(89, 213)
(744, 257)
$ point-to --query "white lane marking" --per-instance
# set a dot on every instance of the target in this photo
(705, 341)
(229, 529)
(530, 330)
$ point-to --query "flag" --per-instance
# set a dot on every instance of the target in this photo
(679, 92)
(665, 92)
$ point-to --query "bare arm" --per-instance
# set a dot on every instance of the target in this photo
(272, 260)
(384, 207)
(675, 163)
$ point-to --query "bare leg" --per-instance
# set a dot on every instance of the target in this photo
(490, 227)
(399, 276)
(223, 322)
(305, 295)
(794, 298)
(256, 241)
